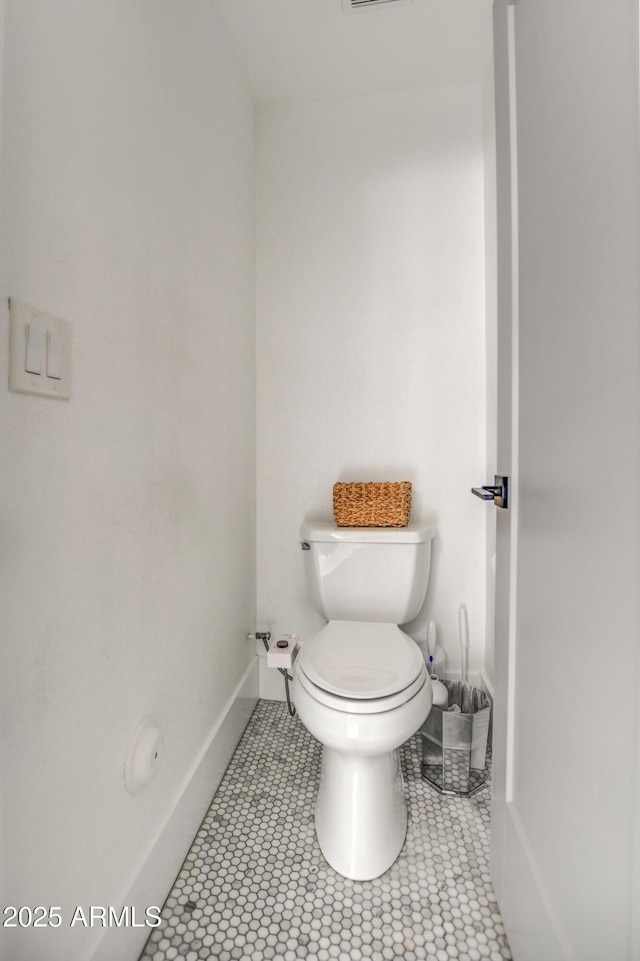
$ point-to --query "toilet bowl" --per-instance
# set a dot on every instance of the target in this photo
(361, 687)
(361, 814)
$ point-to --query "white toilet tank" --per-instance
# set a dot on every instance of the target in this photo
(376, 574)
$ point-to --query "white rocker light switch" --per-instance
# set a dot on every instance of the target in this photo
(55, 350)
(34, 348)
(39, 352)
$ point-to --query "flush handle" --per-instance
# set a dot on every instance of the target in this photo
(305, 545)
(498, 492)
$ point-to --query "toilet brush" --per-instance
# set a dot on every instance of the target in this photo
(463, 628)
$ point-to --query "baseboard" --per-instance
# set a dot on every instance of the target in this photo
(162, 864)
(533, 931)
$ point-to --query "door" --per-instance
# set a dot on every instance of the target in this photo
(566, 795)
(506, 520)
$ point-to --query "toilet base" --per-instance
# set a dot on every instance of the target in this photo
(361, 812)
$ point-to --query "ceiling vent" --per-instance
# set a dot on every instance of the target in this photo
(349, 6)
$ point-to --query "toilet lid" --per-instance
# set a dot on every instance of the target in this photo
(357, 660)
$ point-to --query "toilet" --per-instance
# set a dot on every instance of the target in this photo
(361, 686)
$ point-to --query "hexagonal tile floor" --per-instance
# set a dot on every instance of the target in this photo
(256, 886)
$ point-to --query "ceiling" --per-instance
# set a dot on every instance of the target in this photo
(293, 51)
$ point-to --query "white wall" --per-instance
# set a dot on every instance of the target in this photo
(371, 349)
(126, 513)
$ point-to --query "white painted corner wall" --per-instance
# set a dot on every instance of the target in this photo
(127, 193)
(371, 335)
(127, 514)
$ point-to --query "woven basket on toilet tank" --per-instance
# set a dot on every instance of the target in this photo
(372, 504)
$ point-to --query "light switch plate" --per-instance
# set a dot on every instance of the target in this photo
(21, 316)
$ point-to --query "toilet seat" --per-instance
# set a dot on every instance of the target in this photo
(350, 705)
(361, 668)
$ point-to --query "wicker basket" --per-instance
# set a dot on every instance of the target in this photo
(372, 504)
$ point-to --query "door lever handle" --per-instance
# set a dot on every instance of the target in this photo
(485, 492)
(498, 492)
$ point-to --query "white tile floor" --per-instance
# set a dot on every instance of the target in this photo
(255, 885)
